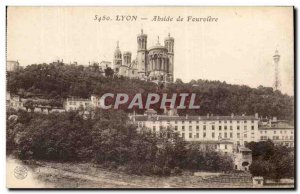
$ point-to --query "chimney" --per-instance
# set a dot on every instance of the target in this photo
(256, 115)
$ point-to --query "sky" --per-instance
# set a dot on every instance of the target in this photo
(238, 48)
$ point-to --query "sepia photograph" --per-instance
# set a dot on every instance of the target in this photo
(150, 97)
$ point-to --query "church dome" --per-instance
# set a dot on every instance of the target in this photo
(158, 46)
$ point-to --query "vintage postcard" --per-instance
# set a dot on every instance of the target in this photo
(150, 97)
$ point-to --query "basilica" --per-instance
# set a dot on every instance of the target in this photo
(154, 64)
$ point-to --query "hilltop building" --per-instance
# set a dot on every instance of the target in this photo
(154, 64)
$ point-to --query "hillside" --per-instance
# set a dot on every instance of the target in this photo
(58, 81)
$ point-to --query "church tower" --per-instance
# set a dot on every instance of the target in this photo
(142, 54)
(127, 58)
(169, 44)
(117, 59)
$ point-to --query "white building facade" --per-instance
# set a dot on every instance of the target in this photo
(280, 132)
(238, 129)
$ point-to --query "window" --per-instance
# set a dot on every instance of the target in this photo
(182, 128)
(238, 135)
(220, 121)
(213, 135)
(225, 147)
(220, 128)
(175, 122)
(182, 122)
(230, 121)
(238, 142)
(238, 121)
(245, 127)
(245, 135)
(197, 128)
(183, 135)
(154, 128)
(176, 128)
(220, 135)
(190, 121)
(274, 132)
(252, 121)
(225, 127)
(204, 127)
(245, 121)
(190, 135)
(225, 121)
(231, 128)
(190, 128)
(238, 127)
(197, 135)
(160, 128)
(230, 135)
(225, 135)
(252, 127)
(212, 127)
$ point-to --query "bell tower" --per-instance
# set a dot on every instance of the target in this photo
(169, 44)
(117, 58)
(142, 54)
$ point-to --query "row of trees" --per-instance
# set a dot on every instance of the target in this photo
(106, 138)
(58, 81)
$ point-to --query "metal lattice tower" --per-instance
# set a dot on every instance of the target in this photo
(276, 59)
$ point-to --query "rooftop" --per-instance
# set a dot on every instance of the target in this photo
(188, 118)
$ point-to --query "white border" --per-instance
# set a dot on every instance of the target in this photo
(4, 3)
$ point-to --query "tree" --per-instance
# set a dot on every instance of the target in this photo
(271, 161)
(109, 72)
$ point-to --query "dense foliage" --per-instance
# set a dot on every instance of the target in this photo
(107, 138)
(58, 81)
(271, 161)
